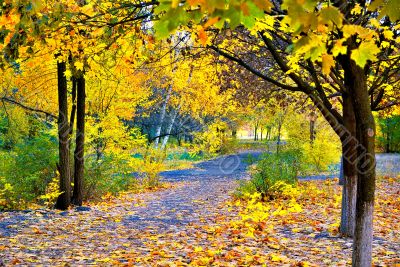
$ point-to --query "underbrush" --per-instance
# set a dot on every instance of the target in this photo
(272, 175)
(26, 172)
(29, 177)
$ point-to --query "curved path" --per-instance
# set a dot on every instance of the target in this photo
(84, 235)
(132, 226)
(208, 184)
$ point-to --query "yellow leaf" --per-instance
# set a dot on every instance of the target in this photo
(78, 65)
(388, 34)
(175, 3)
(356, 10)
(366, 51)
(68, 74)
(339, 48)
(198, 249)
(327, 63)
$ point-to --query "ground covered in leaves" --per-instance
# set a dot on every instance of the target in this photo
(197, 223)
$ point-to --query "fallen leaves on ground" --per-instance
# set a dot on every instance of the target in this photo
(301, 230)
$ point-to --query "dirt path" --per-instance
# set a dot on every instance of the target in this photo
(86, 235)
(145, 227)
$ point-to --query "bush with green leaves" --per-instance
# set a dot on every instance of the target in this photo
(27, 169)
(271, 174)
(8, 198)
(109, 175)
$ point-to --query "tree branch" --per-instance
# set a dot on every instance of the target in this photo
(6, 99)
(252, 70)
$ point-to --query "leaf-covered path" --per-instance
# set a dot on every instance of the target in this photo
(87, 236)
(192, 223)
(205, 187)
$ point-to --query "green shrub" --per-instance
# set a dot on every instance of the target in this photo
(27, 170)
(109, 175)
(271, 174)
(8, 199)
(35, 165)
(153, 164)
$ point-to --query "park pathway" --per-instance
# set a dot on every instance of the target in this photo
(136, 227)
(206, 186)
(87, 234)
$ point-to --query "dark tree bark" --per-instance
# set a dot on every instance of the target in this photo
(64, 199)
(72, 121)
(312, 131)
(80, 141)
(278, 142)
(349, 156)
(73, 109)
(356, 83)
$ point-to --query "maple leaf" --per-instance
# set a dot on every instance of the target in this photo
(327, 63)
(79, 65)
(366, 51)
(203, 36)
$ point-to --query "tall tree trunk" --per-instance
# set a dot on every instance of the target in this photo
(234, 133)
(312, 131)
(73, 109)
(72, 120)
(278, 143)
(169, 128)
(356, 83)
(80, 141)
(349, 156)
(162, 116)
(64, 198)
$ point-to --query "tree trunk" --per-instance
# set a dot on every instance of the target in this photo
(355, 82)
(278, 143)
(72, 120)
(349, 157)
(162, 116)
(64, 198)
(73, 109)
(169, 128)
(312, 131)
(80, 141)
(234, 133)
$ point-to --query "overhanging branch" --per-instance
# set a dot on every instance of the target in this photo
(11, 101)
(252, 70)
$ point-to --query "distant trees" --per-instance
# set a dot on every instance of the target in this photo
(389, 135)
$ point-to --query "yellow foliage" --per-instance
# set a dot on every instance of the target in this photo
(52, 192)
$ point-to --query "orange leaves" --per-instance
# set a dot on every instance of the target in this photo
(327, 63)
(263, 4)
(202, 36)
(211, 22)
